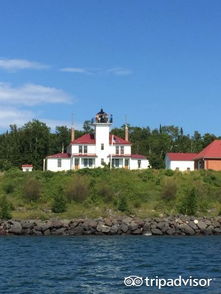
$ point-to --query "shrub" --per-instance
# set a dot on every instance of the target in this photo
(122, 204)
(105, 191)
(78, 189)
(188, 204)
(59, 204)
(5, 208)
(169, 190)
(8, 188)
(32, 189)
(169, 172)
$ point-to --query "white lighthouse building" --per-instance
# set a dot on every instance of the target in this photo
(97, 150)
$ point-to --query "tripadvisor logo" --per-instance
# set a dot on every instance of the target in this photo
(136, 281)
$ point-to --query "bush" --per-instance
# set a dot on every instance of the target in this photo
(122, 204)
(8, 188)
(78, 189)
(105, 191)
(169, 172)
(5, 208)
(188, 204)
(169, 190)
(59, 204)
(32, 189)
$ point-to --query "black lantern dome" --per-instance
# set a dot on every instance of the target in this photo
(103, 117)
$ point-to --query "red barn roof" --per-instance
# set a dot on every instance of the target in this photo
(181, 156)
(213, 150)
(90, 139)
(59, 155)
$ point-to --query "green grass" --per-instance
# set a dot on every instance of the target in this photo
(102, 192)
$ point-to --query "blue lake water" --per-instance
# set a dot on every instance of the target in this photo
(99, 264)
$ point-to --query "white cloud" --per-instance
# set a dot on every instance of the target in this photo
(10, 116)
(19, 64)
(119, 71)
(32, 94)
(76, 70)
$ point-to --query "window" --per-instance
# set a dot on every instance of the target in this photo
(121, 149)
(90, 162)
(80, 149)
(139, 163)
(102, 146)
(188, 169)
(85, 149)
(76, 161)
(117, 149)
(102, 161)
(85, 161)
(115, 162)
(59, 162)
(126, 162)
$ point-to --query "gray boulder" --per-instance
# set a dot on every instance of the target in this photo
(15, 228)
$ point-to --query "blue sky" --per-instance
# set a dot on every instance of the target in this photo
(157, 62)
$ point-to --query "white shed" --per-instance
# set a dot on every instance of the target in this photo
(180, 161)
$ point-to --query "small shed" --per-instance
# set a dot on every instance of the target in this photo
(27, 167)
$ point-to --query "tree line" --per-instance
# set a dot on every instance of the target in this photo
(35, 140)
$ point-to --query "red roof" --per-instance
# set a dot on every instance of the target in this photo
(85, 139)
(117, 140)
(120, 155)
(138, 156)
(181, 156)
(213, 150)
(90, 139)
(84, 155)
(59, 155)
(27, 165)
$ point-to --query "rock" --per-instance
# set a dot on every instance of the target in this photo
(36, 233)
(193, 225)
(15, 228)
(133, 226)
(108, 222)
(217, 230)
(58, 232)
(76, 231)
(26, 224)
(124, 228)
(195, 221)
(171, 231)
(47, 232)
(92, 223)
(114, 229)
(103, 228)
(201, 225)
(156, 232)
(56, 224)
(137, 231)
(186, 229)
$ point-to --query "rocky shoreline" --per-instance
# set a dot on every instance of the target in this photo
(172, 226)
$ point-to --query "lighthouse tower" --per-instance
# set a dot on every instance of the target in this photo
(102, 123)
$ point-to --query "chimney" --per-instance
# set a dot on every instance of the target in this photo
(72, 134)
(126, 133)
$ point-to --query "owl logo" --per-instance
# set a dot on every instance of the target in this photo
(134, 281)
